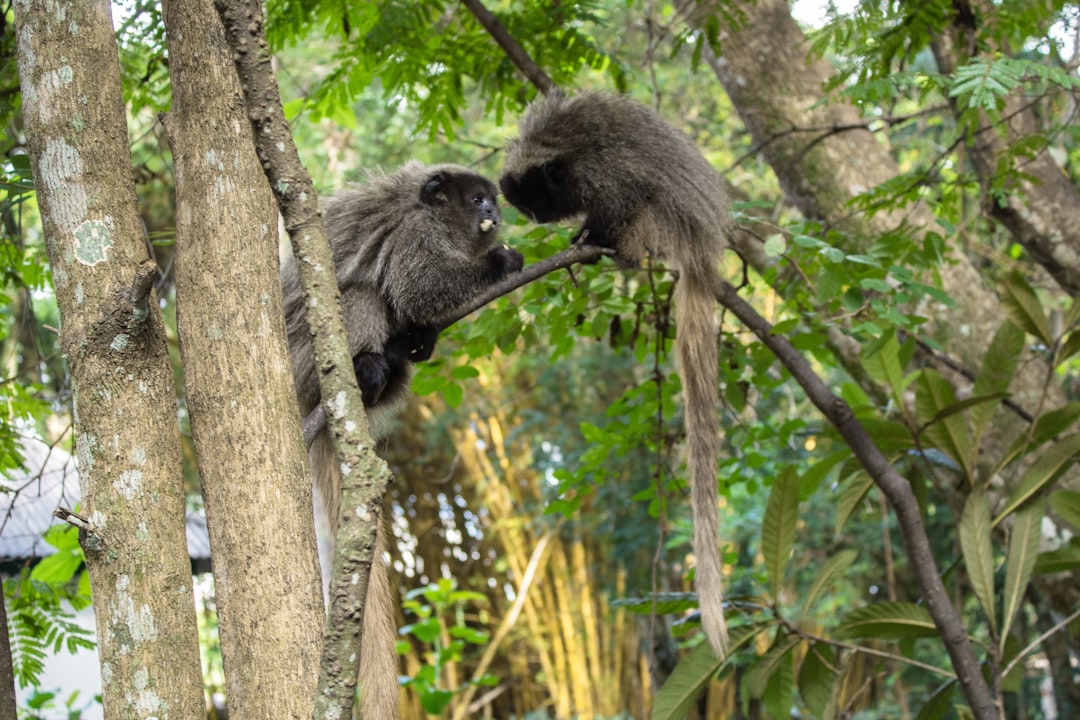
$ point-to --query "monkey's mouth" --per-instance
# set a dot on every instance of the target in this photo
(487, 224)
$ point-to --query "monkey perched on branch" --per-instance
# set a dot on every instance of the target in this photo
(408, 247)
(643, 189)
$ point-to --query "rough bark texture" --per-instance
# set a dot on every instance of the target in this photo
(765, 72)
(252, 461)
(364, 475)
(7, 673)
(125, 402)
(1039, 206)
(900, 495)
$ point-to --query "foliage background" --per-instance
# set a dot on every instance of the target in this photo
(552, 419)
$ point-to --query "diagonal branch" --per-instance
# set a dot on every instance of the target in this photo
(511, 47)
(316, 419)
(895, 488)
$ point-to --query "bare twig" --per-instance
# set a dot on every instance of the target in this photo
(1038, 641)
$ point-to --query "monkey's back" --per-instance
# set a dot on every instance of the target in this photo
(630, 163)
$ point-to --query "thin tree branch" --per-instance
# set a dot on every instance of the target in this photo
(578, 253)
(1038, 641)
(894, 487)
(511, 47)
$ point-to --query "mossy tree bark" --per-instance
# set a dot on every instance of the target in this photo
(244, 417)
(124, 397)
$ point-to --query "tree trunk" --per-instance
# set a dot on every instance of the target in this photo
(244, 416)
(7, 671)
(125, 402)
(1039, 205)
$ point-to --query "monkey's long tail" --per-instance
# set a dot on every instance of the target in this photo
(696, 349)
(379, 699)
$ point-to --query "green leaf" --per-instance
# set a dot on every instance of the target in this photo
(1065, 559)
(761, 670)
(775, 246)
(890, 620)
(1069, 346)
(1046, 427)
(852, 491)
(834, 566)
(978, 550)
(1021, 304)
(1050, 465)
(693, 672)
(780, 690)
(998, 368)
(945, 430)
(939, 702)
(1023, 549)
(882, 364)
(817, 680)
(778, 526)
(1066, 503)
(665, 603)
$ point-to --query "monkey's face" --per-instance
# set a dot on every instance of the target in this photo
(545, 193)
(467, 202)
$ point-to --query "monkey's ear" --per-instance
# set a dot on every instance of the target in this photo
(432, 192)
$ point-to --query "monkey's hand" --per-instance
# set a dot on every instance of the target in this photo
(372, 373)
(415, 343)
(503, 260)
(588, 237)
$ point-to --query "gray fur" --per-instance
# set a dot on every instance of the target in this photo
(408, 247)
(643, 188)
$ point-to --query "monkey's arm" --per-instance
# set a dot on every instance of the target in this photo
(368, 329)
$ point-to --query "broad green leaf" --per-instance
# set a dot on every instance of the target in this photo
(1023, 549)
(834, 566)
(978, 550)
(891, 620)
(665, 603)
(891, 437)
(693, 672)
(1024, 308)
(998, 368)
(1066, 503)
(779, 693)
(1048, 426)
(939, 702)
(761, 670)
(817, 472)
(778, 526)
(817, 680)
(1011, 683)
(1050, 465)
(1065, 559)
(882, 364)
(945, 430)
(1069, 346)
(852, 490)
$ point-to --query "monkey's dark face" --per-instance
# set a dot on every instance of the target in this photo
(469, 201)
(543, 192)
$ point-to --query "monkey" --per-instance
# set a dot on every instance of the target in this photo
(644, 189)
(408, 247)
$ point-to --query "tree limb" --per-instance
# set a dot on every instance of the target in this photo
(364, 475)
(579, 253)
(511, 47)
(894, 487)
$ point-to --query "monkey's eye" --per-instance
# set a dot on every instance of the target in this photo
(478, 200)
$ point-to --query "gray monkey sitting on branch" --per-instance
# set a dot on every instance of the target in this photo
(409, 247)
